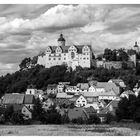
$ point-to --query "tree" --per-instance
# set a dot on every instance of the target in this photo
(94, 119)
(107, 54)
(17, 118)
(38, 111)
(122, 55)
(8, 113)
(25, 63)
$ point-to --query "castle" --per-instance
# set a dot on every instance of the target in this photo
(72, 56)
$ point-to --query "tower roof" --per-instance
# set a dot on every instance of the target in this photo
(61, 38)
(136, 45)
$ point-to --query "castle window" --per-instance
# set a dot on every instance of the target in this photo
(72, 55)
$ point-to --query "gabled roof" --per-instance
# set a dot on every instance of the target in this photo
(65, 48)
(13, 99)
(108, 86)
(83, 86)
(29, 99)
(50, 86)
(118, 82)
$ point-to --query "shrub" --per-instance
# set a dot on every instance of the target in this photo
(109, 118)
(79, 120)
(94, 119)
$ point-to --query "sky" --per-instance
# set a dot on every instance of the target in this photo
(26, 29)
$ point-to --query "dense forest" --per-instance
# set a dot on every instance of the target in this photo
(41, 77)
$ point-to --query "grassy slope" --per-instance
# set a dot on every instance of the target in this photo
(71, 130)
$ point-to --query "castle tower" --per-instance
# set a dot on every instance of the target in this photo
(61, 40)
(136, 47)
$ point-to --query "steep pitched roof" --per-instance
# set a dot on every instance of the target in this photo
(29, 99)
(13, 99)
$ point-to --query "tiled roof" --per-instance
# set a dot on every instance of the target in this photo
(51, 86)
(90, 94)
(29, 99)
(63, 95)
(108, 93)
(108, 86)
(83, 86)
(13, 99)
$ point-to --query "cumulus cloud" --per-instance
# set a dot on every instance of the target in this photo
(27, 29)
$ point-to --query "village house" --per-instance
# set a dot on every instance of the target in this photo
(24, 110)
(83, 87)
(19, 99)
(92, 99)
(29, 101)
(52, 89)
(72, 89)
(109, 95)
(81, 101)
(61, 86)
(31, 90)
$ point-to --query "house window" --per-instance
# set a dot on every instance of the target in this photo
(59, 58)
(64, 58)
(49, 58)
(84, 58)
(53, 58)
(64, 54)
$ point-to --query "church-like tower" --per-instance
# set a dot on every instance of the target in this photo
(136, 47)
(61, 40)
